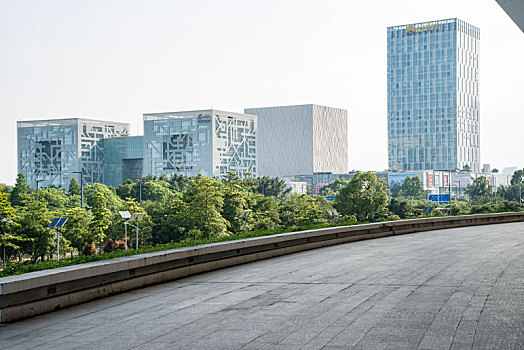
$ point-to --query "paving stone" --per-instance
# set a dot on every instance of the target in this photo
(448, 289)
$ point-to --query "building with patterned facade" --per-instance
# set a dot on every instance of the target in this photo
(433, 96)
(301, 140)
(51, 151)
(207, 142)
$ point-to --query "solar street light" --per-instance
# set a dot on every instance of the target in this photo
(128, 217)
(57, 223)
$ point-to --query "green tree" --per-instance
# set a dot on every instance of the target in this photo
(179, 183)
(517, 178)
(334, 187)
(158, 191)
(76, 228)
(412, 187)
(301, 210)
(479, 190)
(56, 198)
(363, 197)
(400, 207)
(265, 214)
(395, 189)
(34, 220)
(495, 170)
(20, 191)
(271, 186)
(112, 200)
(205, 200)
(100, 221)
(511, 192)
(235, 209)
(74, 187)
(170, 221)
(10, 242)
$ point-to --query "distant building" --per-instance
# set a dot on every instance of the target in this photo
(209, 142)
(123, 159)
(509, 170)
(301, 140)
(433, 96)
(51, 151)
(299, 187)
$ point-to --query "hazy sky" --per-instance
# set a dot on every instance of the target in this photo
(118, 59)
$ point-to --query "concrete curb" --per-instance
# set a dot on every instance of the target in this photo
(35, 293)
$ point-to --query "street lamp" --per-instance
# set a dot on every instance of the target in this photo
(245, 212)
(57, 223)
(37, 182)
(81, 187)
(135, 217)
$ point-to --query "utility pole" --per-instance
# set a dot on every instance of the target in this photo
(81, 187)
(37, 182)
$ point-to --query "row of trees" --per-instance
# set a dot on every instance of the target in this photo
(180, 208)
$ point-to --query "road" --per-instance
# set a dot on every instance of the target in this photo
(448, 289)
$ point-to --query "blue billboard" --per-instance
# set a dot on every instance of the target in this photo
(439, 198)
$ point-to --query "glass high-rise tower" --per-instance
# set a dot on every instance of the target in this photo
(433, 96)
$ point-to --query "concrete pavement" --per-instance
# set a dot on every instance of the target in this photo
(449, 289)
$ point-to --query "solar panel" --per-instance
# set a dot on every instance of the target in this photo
(61, 222)
(125, 214)
(57, 222)
(54, 222)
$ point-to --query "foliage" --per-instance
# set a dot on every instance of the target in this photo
(205, 200)
(74, 187)
(271, 186)
(363, 197)
(412, 187)
(76, 227)
(33, 221)
(399, 207)
(480, 190)
(334, 187)
(300, 210)
(21, 189)
(113, 201)
(518, 177)
(182, 211)
(100, 221)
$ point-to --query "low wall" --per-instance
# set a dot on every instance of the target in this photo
(35, 293)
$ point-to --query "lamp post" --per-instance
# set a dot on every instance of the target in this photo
(520, 191)
(81, 187)
(136, 217)
(37, 182)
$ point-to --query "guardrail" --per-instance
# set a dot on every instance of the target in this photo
(35, 293)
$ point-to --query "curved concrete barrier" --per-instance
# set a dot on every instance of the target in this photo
(39, 292)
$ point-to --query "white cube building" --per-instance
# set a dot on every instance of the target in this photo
(303, 139)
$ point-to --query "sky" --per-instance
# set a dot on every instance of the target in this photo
(117, 59)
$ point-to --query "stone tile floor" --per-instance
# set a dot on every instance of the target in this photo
(448, 289)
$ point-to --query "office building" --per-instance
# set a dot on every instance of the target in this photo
(123, 159)
(51, 152)
(209, 142)
(301, 140)
(433, 96)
